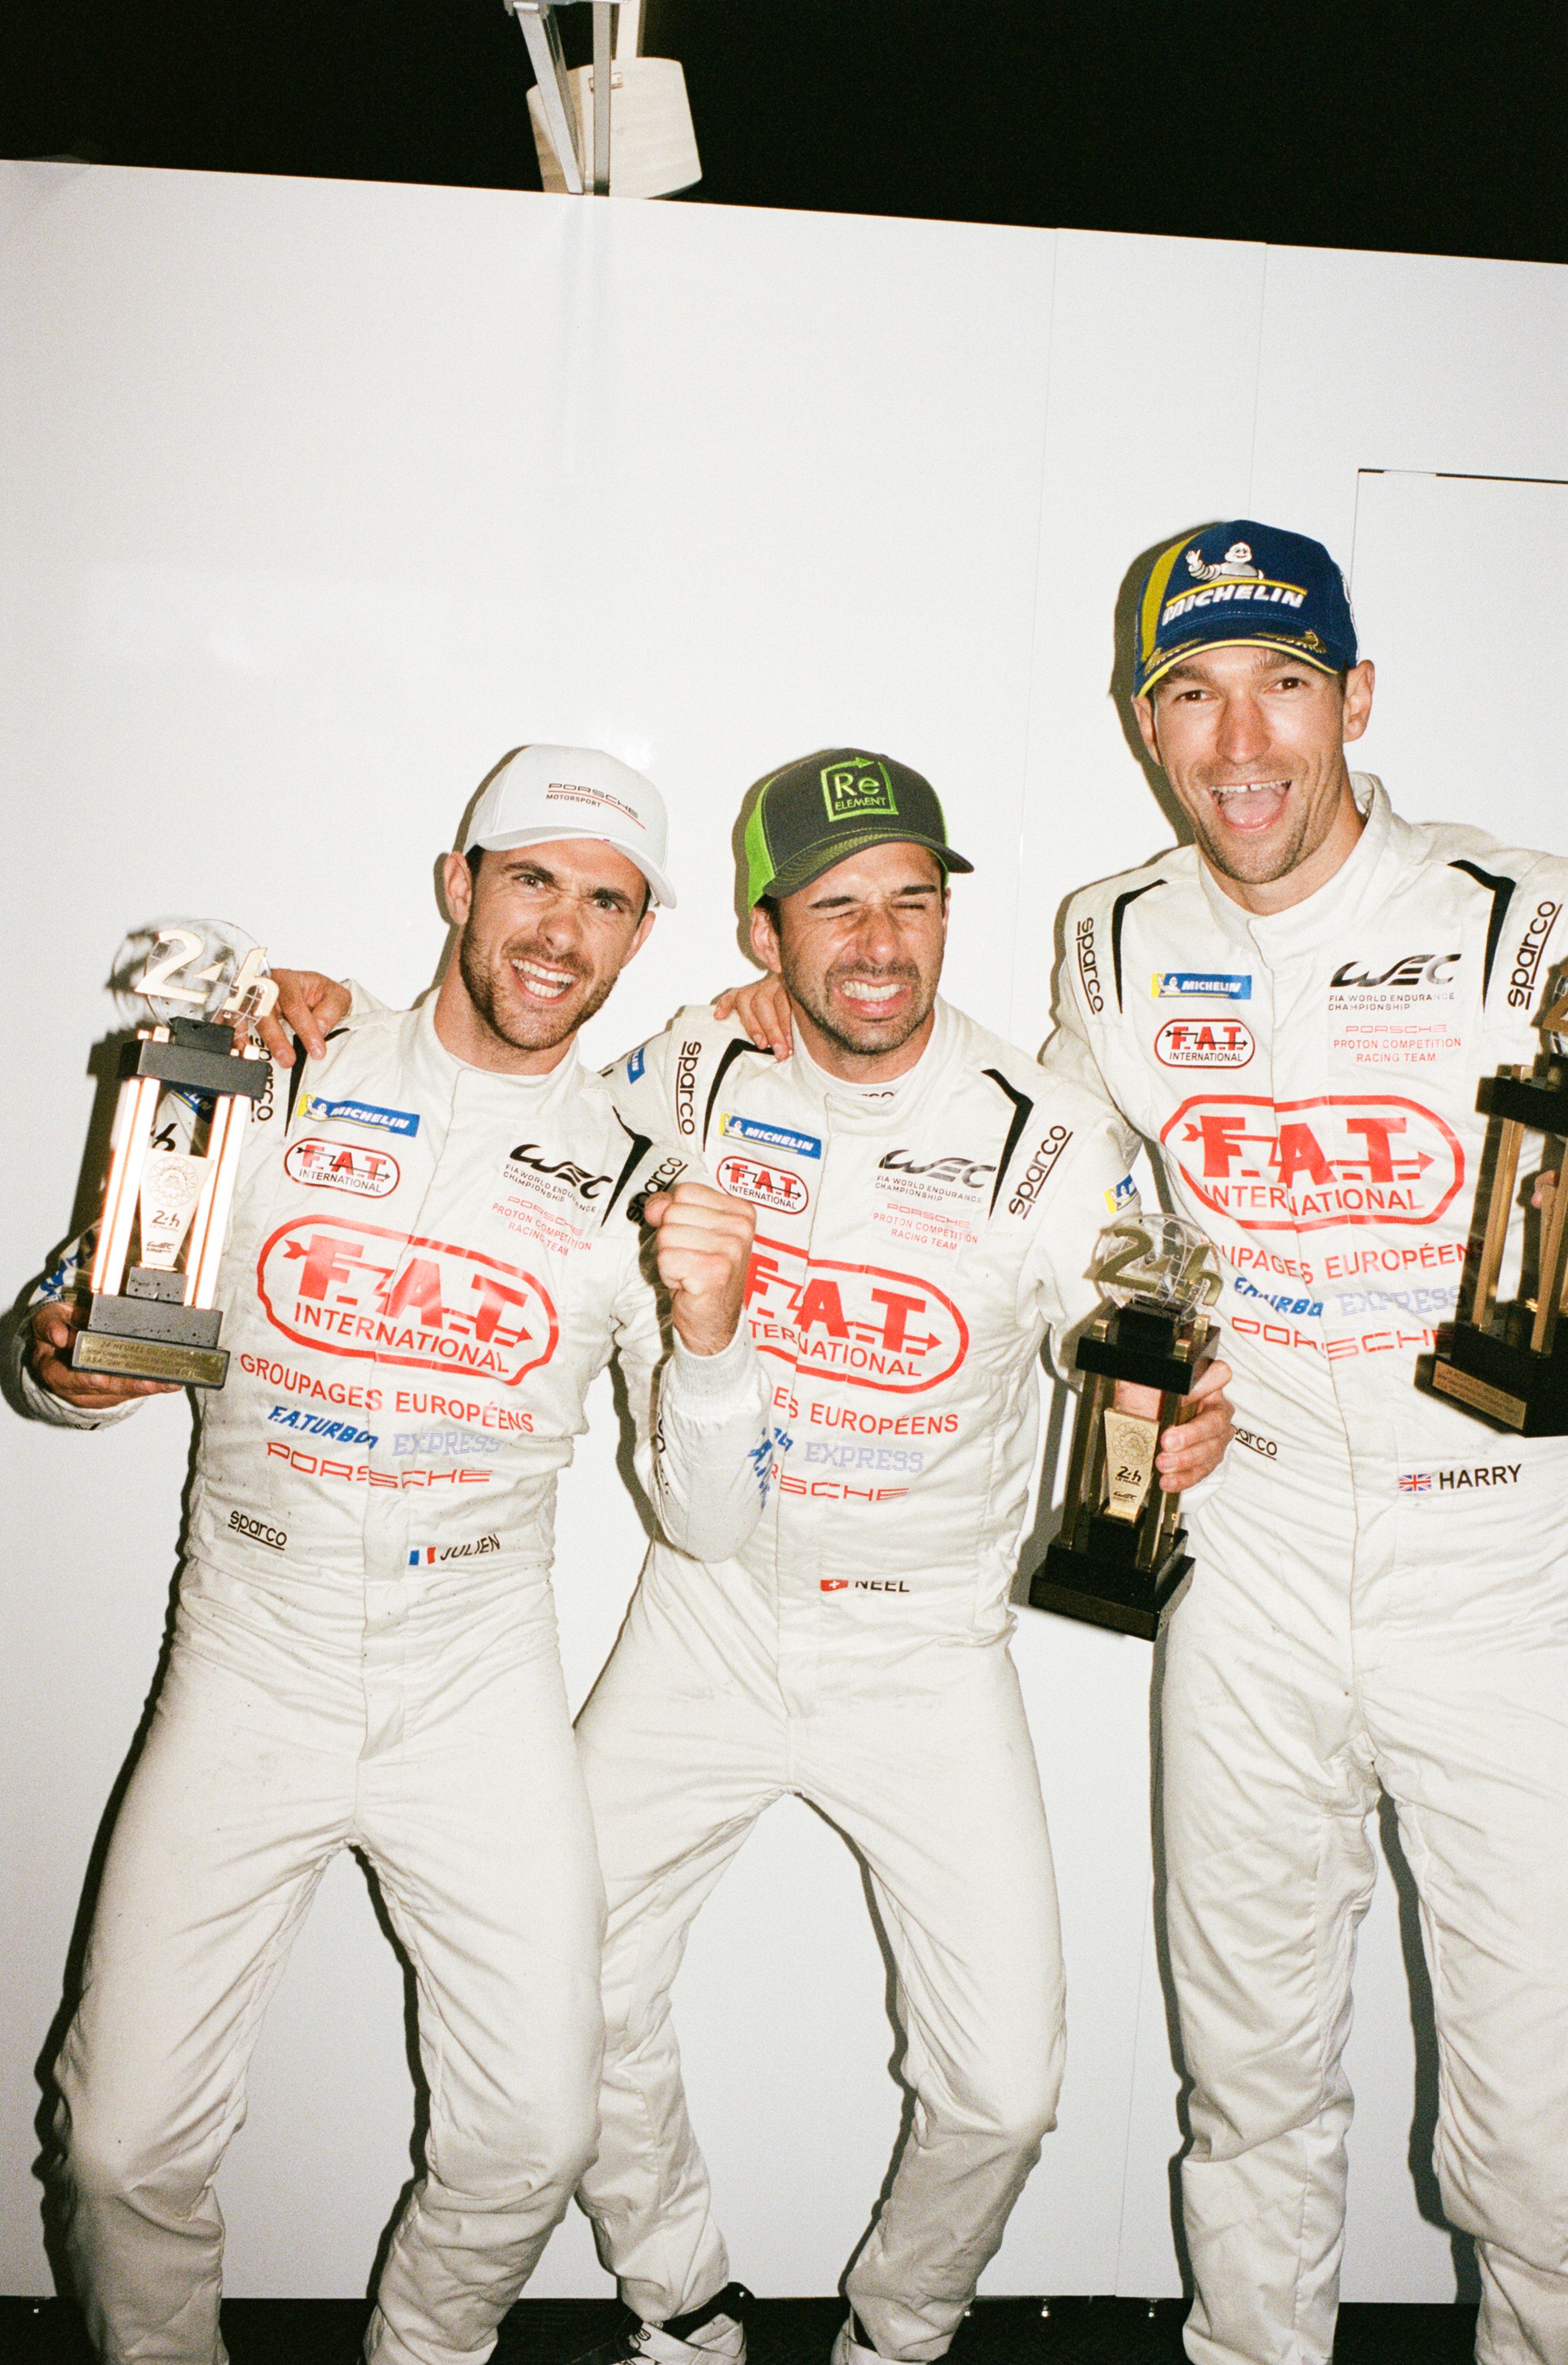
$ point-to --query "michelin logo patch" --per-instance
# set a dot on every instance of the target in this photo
(1171, 984)
(769, 1137)
(380, 1120)
(1122, 1194)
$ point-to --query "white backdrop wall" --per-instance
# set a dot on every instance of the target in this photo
(319, 496)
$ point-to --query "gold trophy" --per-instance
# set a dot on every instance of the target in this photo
(154, 1319)
(1506, 1360)
(1120, 1553)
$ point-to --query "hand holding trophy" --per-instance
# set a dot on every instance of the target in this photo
(1120, 1553)
(205, 984)
(1505, 1359)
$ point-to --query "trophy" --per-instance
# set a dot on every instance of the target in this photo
(154, 1319)
(1506, 1360)
(1121, 1553)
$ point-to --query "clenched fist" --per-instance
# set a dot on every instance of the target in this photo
(54, 1325)
(704, 1246)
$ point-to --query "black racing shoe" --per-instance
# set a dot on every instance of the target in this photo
(673, 2342)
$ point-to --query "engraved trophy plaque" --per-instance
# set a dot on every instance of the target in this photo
(1121, 1552)
(1505, 1359)
(152, 1317)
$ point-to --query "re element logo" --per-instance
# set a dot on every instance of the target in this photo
(1346, 1158)
(857, 786)
(349, 1288)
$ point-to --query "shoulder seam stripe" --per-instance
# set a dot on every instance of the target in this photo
(1118, 913)
(732, 1052)
(1023, 1107)
(640, 1142)
(1502, 893)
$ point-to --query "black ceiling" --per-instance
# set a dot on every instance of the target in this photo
(1438, 129)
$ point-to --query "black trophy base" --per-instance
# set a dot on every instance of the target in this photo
(146, 1335)
(1508, 1387)
(1087, 1585)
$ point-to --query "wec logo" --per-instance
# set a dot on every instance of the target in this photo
(854, 1322)
(765, 1186)
(354, 1289)
(1303, 1165)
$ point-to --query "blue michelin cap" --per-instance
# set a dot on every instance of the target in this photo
(1243, 582)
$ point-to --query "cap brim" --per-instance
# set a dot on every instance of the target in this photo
(1325, 664)
(802, 868)
(550, 834)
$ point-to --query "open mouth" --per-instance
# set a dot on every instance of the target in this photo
(874, 997)
(1249, 806)
(542, 983)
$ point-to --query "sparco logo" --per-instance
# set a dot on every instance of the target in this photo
(686, 1086)
(585, 1185)
(1205, 1043)
(854, 1322)
(1088, 968)
(1411, 968)
(668, 1170)
(766, 1186)
(1255, 1444)
(349, 1288)
(258, 1532)
(1347, 1158)
(954, 1168)
(1038, 1173)
(1527, 961)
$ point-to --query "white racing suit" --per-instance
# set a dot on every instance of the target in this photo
(1381, 1595)
(913, 1246)
(428, 1265)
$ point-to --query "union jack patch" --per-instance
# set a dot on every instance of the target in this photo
(1416, 1482)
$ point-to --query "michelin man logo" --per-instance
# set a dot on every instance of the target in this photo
(1238, 560)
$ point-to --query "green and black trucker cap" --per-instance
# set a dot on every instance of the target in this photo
(823, 808)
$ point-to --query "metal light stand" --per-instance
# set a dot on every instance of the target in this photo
(540, 31)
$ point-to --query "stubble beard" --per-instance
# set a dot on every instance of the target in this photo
(527, 1032)
(876, 1038)
(1262, 866)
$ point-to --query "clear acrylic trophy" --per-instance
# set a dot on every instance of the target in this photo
(1120, 1553)
(152, 1317)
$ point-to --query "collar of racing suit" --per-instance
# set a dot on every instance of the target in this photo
(1360, 881)
(441, 1073)
(854, 1109)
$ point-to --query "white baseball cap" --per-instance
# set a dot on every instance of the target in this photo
(538, 794)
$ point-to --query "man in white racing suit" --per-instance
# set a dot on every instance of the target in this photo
(431, 1258)
(927, 1206)
(1296, 1013)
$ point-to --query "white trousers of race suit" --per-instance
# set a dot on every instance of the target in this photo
(298, 1718)
(1341, 1635)
(920, 1754)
